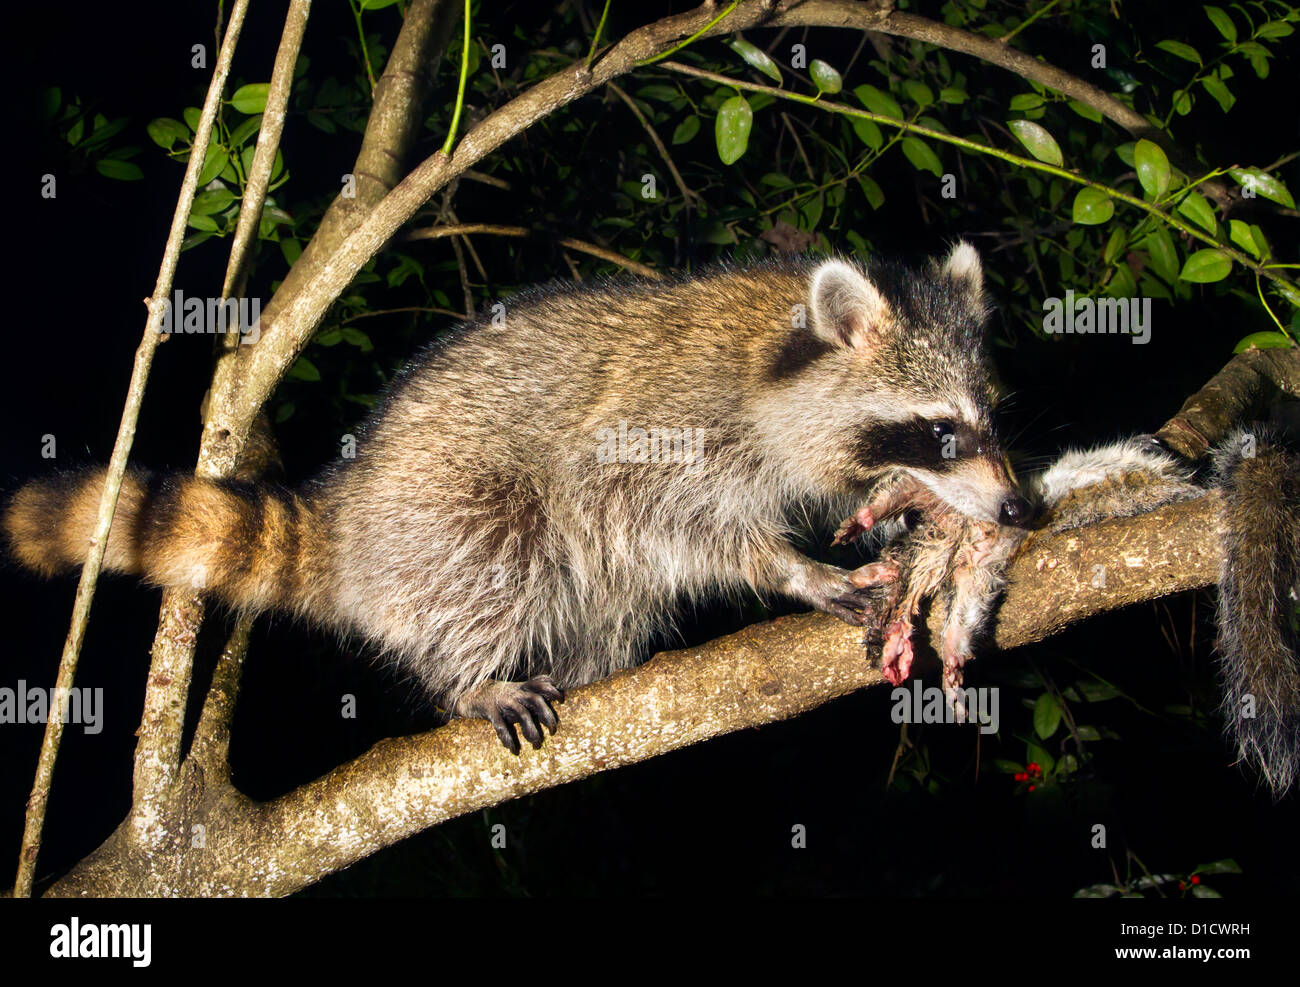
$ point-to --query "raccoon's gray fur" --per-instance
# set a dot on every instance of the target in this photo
(505, 517)
(961, 563)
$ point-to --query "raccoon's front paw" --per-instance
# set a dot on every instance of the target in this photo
(850, 595)
(504, 704)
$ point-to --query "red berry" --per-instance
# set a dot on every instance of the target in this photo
(1196, 878)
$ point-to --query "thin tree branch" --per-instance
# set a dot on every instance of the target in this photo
(497, 229)
(166, 759)
(173, 694)
(680, 182)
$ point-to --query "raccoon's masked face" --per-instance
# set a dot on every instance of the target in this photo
(904, 386)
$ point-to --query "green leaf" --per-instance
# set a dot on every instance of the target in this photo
(922, 157)
(1263, 341)
(1183, 102)
(664, 94)
(1125, 153)
(1243, 236)
(376, 4)
(757, 58)
(205, 223)
(919, 93)
(1037, 141)
(1219, 17)
(213, 162)
(1180, 50)
(1026, 101)
(245, 130)
(356, 337)
(825, 78)
(687, 129)
(1221, 93)
(165, 132)
(1264, 184)
(1084, 110)
(123, 171)
(875, 195)
(1164, 256)
(191, 115)
(1195, 208)
(878, 102)
(1206, 266)
(251, 98)
(291, 249)
(1114, 244)
(867, 132)
(1121, 283)
(1092, 206)
(950, 94)
(212, 201)
(1274, 29)
(304, 369)
(731, 131)
(1152, 168)
(1258, 56)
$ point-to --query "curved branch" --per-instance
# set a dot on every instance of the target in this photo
(498, 229)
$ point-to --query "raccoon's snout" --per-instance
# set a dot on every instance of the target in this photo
(1015, 512)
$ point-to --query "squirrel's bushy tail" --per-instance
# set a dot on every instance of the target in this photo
(255, 546)
(1259, 602)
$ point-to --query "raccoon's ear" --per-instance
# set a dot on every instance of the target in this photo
(964, 269)
(847, 309)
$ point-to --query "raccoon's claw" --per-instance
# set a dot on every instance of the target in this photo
(852, 610)
(849, 595)
(504, 704)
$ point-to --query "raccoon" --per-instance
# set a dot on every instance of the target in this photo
(538, 492)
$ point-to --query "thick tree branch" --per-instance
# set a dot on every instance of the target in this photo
(761, 674)
(1234, 394)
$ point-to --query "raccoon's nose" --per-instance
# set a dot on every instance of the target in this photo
(1015, 511)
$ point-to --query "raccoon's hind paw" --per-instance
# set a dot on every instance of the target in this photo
(504, 704)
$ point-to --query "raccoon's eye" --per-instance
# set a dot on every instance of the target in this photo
(942, 428)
